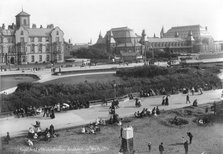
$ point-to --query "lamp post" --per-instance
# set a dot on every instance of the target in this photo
(114, 85)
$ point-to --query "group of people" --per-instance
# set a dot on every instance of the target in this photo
(114, 117)
(185, 144)
(27, 111)
(92, 128)
(49, 111)
(35, 133)
(165, 100)
(137, 102)
(145, 112)
(195, 102)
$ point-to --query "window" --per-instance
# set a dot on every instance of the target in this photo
(40, 58)
(57, 39)
(21, 32)
(9, 40)
(60, 57)
(23, 58)
(47, 47)
(31, 39)
(33, 58)
(57, 33)
(48, 58)
(24, 21)
(40, 39)
(22, 39)
(33, 48)
(40, 47)
(47, 39)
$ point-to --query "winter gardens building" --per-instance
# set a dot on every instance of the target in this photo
(182, 40)
(22, 44)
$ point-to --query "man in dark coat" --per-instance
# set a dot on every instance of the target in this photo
(190, 136)
(167, 100)
(186, 147)
(161, 148)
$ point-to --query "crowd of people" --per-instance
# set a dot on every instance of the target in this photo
(35, 133)
(27, 111)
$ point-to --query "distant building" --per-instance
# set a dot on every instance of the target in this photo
(22, 44)
(184, 39)
(218, 46)
(121, 42)
(68, 47)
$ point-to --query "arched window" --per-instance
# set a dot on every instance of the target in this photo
(21, 32)
(57, 33)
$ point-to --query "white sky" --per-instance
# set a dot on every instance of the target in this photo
(82, 20)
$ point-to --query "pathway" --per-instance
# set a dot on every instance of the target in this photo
(19, 126)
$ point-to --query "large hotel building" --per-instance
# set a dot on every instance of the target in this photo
(22, 44)
(192, 39)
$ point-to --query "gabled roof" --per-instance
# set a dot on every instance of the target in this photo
(22, 13)
(39, 31)
(112, 40)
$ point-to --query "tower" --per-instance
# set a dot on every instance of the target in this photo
(162, 33)
(22, 19)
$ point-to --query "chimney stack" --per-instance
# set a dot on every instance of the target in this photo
(34, 26)
(3, 26)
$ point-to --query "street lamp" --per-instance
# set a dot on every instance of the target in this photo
(114, 85)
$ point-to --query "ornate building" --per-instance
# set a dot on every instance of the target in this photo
(22, 44)
(121, 42)
(183, 39)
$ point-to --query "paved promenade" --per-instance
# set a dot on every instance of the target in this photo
(19, 126)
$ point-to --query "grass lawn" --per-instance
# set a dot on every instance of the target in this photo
(208, 138)
(83, 78)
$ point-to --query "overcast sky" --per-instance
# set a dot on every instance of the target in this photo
(82, 20)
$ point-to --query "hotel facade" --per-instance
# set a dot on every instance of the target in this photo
(191, 39)
(22, 44)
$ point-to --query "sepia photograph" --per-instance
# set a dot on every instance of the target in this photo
(111, 77)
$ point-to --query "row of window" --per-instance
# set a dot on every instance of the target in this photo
(47, 58)
(9, 40)
(40, 47)
(40, 58)
(40, 39)
(22, 33)
(164, 44)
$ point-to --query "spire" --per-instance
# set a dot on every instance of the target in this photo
(142, 41)
(162, 32)
(154, 35)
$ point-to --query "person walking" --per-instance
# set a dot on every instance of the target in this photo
(149, 146)
(163, 100)
(190, 136)
(186, 147)
(44, 111)
(192, 90)
(167, 100)
(161, 148)
(187, 98)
